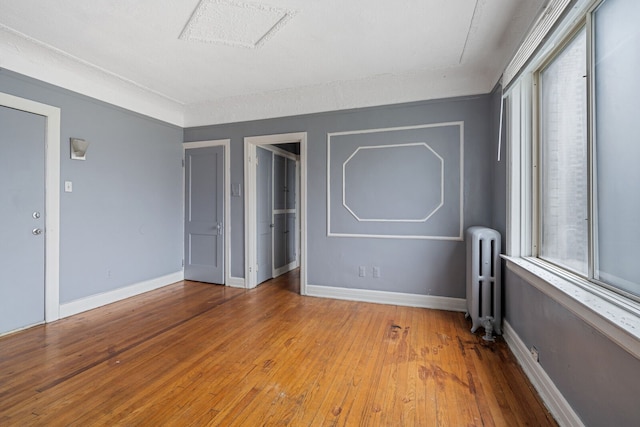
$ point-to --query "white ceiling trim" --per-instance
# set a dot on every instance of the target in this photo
(369, 92)
(33, 58)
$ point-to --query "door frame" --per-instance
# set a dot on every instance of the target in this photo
(250, 203)
(52, 198)
(226, 143)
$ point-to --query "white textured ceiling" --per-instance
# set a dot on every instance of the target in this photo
(194, 62)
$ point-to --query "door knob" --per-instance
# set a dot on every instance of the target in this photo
(36, 231)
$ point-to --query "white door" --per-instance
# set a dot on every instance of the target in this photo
(204, 215)
(22, 201)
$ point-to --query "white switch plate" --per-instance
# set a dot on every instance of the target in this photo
(68, 186)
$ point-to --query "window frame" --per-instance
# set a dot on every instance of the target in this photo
(608, 309)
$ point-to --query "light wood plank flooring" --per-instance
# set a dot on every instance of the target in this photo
(199, 354)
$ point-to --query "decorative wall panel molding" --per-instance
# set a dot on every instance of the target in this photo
(424, 163)
(403, 182)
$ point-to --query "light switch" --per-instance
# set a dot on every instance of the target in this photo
(68, 186)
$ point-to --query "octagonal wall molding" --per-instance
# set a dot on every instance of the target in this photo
(398, 182)
(399, 203)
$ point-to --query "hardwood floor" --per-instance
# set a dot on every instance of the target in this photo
(199, 354)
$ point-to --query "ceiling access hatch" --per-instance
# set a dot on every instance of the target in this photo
(234, 23)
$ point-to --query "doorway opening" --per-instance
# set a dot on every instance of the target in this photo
(254, 148)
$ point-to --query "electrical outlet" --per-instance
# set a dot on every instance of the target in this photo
(376, 272)
(534, 354)
(362, 271)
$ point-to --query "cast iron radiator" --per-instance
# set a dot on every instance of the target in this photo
(484, 287)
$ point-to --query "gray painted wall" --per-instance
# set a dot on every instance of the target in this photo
(122, 223)
(599, 379)
(498, 167)
(427, 267)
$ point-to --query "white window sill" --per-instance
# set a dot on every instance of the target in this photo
(616, 317)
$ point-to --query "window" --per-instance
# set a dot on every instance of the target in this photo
(563, 200)
(616, 63)
(586, 156)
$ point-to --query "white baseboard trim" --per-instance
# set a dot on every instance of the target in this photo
(235, 282)
(13, 331)
(391, 298)
(551, 396)
(98, 300)
(284, 269)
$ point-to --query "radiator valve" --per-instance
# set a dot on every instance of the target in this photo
(487, 323)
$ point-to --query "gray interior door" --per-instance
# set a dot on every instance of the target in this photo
(279, 240)
(291, 190)
(290, 239)
(279, 206)
(264, 214)
(204, 215)
(284, 215)
(279, 182)
(22, 162)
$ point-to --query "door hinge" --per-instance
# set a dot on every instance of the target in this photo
(182, 162)
(183, 262)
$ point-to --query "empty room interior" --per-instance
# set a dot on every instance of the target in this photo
(287, 212)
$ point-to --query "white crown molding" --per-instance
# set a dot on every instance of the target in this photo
(368, 92)
(30, 57)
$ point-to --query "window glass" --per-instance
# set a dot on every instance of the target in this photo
(617, 143)
(563, 158)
